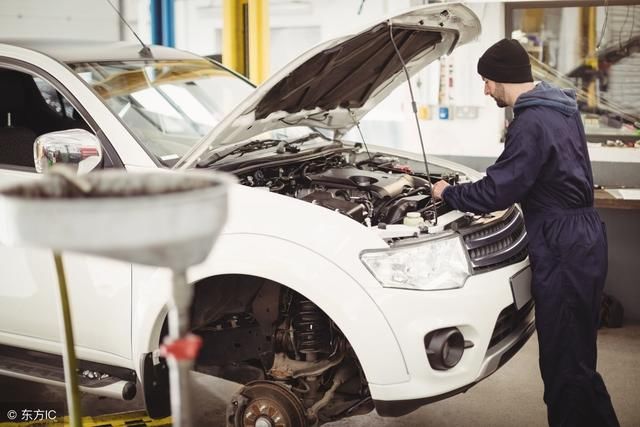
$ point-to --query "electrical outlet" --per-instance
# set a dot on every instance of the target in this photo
(466, 112)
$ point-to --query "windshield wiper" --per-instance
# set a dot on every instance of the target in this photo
(252, 145)
(285, 146)
(258, 144)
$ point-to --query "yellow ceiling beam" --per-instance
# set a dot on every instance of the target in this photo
(233, 36)
(258, 40)
(245, 38)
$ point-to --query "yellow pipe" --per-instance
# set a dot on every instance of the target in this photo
(68, 351)
(258, 40)
(233, 42)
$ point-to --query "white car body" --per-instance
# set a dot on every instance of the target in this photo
(118, 309)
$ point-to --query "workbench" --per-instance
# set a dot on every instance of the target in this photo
(615, 199)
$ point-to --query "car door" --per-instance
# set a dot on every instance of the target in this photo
(100, 289)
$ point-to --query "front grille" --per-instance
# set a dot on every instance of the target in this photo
(497, 244)
(510, 320)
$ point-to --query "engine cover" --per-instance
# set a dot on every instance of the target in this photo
(326, 199)
(384, 184)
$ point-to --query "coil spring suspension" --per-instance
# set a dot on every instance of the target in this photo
(312, 328)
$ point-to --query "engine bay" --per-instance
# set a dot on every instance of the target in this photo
(371, 189)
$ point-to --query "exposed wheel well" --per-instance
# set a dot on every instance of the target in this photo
(255, 329)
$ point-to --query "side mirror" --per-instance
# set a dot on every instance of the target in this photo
(71, 147)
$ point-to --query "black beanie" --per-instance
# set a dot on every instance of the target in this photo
(506, 62)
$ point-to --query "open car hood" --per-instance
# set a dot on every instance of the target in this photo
(333, 85)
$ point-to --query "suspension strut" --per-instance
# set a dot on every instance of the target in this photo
(312, 328)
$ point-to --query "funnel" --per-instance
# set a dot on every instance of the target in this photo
(164, 219)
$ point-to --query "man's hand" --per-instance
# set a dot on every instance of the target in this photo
(438, 188)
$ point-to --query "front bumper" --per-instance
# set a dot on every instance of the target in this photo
(474, 310)
(398, 408)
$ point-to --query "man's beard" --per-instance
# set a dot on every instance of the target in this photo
(500, 102)
(499, 96)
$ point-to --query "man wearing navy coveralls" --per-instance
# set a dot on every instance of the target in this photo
(545, 167)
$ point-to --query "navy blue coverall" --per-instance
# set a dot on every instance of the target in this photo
(545, 166)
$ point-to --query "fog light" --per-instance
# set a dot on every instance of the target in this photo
(444, 348)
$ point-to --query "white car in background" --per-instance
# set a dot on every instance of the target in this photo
(316, 297)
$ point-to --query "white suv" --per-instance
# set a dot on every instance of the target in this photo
(317, 296)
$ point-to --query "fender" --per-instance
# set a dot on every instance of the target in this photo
(340, 296)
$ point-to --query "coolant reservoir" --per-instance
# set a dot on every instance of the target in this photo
(413, 219)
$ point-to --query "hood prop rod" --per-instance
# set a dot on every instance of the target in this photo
(415, 115)
(357, 123)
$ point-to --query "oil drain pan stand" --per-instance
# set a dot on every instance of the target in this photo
(159, 219)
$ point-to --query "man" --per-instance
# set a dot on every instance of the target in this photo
(545, 166)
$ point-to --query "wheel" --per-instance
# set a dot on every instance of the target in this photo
(266, 404)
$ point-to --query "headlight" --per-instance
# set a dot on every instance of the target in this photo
(431, 265)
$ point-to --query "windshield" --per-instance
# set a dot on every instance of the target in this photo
(169, 106)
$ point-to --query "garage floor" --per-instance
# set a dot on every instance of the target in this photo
(512, 396)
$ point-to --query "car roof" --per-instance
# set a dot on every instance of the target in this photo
(71, 51)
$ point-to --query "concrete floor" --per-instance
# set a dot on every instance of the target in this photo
(512, 396)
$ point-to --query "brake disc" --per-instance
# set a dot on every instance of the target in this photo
(266, 404)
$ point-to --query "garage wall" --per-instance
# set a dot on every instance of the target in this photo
(479, 136)
(198, 26)
(138, 15)
(296, 26)
(69, 19)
